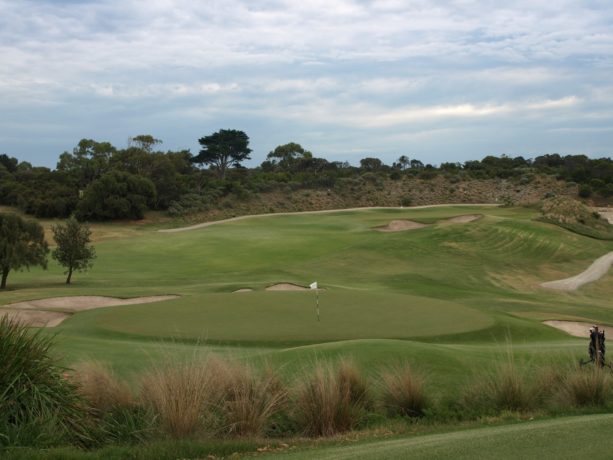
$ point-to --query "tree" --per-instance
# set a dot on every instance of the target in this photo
(73, 250)
(403, 162)
(226, 147)
(22, 245)
(286, 156)
(116, 195)
(144, 142)
(370, 164)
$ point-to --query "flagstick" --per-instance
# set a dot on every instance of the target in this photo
(317, 296)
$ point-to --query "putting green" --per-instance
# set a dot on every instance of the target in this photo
(290, 317)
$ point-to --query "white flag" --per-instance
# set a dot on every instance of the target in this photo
(313, 285)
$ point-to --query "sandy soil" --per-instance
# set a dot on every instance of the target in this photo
(400, 226)
(325, 211)
(244, 290)
(607, 213)
(594, 272)
(287, 287)
(51, 312)
(463, 219)
(576, 328)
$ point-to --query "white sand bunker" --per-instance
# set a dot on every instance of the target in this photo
(463, 219)
(287, 287)
(400, 226)
(51, 312)
(244, 290)
(576, 328)
(594, 272)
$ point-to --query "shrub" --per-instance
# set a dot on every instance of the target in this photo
(403, 392)
(406, 201)
(331, 401)
(38, 406)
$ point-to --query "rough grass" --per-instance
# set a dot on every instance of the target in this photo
(330, 399)
(184, 395)
(250, 399)
(403, 391)
(99, 386)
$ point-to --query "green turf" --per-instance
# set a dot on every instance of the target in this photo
(585, 437)
(444, 296)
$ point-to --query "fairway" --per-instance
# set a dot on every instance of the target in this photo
(457, 290)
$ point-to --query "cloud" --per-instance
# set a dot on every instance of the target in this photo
(335, 67)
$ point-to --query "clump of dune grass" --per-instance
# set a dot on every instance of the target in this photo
(403, 391)
(184, 396)
(585, 387)
(331, 399)
(250, 399)
(503, 389)
(99, 386)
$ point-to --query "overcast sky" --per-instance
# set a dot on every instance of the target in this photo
(433, 80)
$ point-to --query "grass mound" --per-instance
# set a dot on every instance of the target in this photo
(576, 217)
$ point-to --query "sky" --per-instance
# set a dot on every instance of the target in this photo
(448, 80)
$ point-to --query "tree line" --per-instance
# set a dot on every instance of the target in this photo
(98, 181)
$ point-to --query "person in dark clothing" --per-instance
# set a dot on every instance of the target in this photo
(601, 347)
(592, 346)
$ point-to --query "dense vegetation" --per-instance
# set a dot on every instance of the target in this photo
(99, 181)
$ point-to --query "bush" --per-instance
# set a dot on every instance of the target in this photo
(585, 191)
(403, 392)
(39, 406)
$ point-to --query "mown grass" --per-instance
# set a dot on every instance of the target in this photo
(443, 299)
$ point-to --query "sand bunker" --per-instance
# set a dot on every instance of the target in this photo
(594, 272)
(463, 219)
(51, 312)
(244, 290)
(35, 318)
(286, 287)
(400, 226)
(576, 328)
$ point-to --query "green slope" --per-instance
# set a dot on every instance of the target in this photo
(584, 437)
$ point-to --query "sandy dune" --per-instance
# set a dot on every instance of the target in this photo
(594, 272)
(576, 328)
(244, 290)
(52, 311)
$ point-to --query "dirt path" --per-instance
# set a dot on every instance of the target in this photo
(52, 311)
(594, 272)
(576, 328)
(325, 211)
